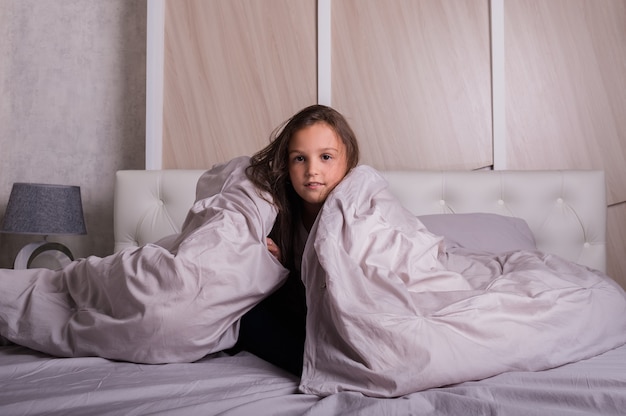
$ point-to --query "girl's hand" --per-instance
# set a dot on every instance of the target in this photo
(273, 248)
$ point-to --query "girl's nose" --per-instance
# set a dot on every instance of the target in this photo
(311, 168)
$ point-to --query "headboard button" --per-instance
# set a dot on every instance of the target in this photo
(559, 200)
(500, 201)
(442, 202)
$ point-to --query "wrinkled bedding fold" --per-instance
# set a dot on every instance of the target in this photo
(175, 301)
(391, 312)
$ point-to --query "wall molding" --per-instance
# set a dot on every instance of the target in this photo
(324, 52)
(155, 53)
(498, 99)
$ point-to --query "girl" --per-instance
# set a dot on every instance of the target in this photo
(306, 158)
(316, 144)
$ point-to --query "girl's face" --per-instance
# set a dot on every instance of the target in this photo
(317, 163)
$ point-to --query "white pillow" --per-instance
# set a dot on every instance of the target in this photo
(491, 233)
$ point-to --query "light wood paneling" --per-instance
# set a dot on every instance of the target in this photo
(413, 78)
(616, 238)
(234, 70)
(566, 87)
(566, 96)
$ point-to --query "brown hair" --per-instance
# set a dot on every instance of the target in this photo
(269, 170)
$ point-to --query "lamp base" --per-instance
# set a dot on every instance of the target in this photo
(59, 255)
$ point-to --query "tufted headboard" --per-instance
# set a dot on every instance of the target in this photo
(566, 210)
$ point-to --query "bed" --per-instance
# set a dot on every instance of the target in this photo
(564, 210)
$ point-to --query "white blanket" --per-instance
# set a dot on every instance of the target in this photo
(173, 302)
(390, 312)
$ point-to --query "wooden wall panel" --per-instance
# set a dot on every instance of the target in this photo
(413, 77)
(566, 86)
(233, 71)
(616, 238)
(565, 77)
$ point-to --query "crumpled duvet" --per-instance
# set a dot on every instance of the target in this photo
(175, 301)
(390, 312)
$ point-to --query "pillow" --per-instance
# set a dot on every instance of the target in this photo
(492, 233)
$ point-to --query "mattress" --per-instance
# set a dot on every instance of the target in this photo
(35, 384)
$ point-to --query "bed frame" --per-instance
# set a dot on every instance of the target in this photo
(565, 209)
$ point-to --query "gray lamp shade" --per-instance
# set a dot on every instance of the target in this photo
(44, 209)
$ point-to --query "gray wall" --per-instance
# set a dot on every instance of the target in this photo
(72, 109)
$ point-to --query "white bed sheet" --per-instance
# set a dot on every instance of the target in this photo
(32, 383)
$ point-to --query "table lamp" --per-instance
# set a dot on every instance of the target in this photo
(43, 209)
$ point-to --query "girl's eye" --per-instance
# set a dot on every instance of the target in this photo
(299, 158)
(327, 157)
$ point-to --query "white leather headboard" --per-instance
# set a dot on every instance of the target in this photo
(566, 210)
